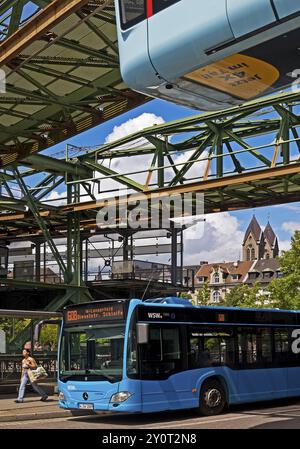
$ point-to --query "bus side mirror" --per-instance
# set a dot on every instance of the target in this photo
(142, 333)
(40, 324)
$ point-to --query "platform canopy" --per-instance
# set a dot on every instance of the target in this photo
(61, 63)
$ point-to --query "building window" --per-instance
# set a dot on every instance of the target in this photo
(267, 256)
(279, 274)
(250, 253)
(216, 296)
(216, 278)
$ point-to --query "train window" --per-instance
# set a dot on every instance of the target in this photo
(132, 12)
(158, 5)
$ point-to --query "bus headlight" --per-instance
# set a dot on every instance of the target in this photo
(61, 396)
(120, 397)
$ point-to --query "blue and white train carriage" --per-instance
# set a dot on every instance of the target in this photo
(208, 55)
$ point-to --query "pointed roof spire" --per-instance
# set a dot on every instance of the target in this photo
(253, 229)
(270, 235)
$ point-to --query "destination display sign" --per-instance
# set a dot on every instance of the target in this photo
(92, 313)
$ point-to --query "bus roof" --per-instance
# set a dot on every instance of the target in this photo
(179, 302)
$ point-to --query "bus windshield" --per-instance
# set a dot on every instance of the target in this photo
(92, 353)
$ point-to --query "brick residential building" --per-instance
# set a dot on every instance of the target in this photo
(259, 249)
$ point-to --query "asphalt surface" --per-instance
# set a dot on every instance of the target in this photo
(270, 415)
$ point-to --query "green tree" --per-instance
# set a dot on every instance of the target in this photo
(244, 296)
(13, 326)
(285, 291)
(48, 336)
(203, 295)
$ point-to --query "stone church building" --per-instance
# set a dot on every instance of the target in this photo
(259, 244)
(259, 264)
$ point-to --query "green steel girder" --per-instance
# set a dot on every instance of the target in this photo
(57, 166)
(32, 285)
(223, 147)
(113, 174)
(35, 212)
(49, 189)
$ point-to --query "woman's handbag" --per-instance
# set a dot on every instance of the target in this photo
(37, 374)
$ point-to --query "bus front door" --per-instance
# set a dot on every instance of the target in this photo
(164, 383)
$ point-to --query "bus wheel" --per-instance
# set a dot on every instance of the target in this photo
(212, 398)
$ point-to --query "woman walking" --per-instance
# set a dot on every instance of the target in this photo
(29, 363)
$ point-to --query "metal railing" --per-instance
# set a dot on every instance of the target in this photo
(10, 366)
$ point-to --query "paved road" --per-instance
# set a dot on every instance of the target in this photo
(275, 415)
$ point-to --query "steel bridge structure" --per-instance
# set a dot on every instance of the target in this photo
(62, 78)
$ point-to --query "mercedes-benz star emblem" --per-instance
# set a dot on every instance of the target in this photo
(85, 396)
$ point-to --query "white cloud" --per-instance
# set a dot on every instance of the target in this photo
(59, 199)
(284, 245)
(291, 226)
(221, 241)
(133, 125)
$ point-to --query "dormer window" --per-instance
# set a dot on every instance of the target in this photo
(216, 278)
(267, 274)
(235, 277)
(201, 278)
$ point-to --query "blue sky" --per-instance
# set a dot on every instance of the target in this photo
(284, 218)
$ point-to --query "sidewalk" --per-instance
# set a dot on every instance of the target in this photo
(31, 409)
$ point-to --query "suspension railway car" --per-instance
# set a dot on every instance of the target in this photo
(209, 55)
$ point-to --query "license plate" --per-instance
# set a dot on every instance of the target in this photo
(86, 406)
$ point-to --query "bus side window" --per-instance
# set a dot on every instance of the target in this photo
(247, 348)
(132, 368)
(132, 12)
(210, 348)
(264, 347)
(281, 346)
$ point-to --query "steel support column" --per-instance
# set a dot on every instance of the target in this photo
(174, 270)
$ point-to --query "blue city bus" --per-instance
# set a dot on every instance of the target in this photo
(166, 354)
(208, 55)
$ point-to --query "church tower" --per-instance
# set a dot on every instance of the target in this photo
(253, 246)
(259, 244)
(271, 247)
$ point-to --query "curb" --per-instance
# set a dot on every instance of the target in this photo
(35, 416)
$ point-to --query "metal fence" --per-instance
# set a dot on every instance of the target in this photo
(10, 366)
